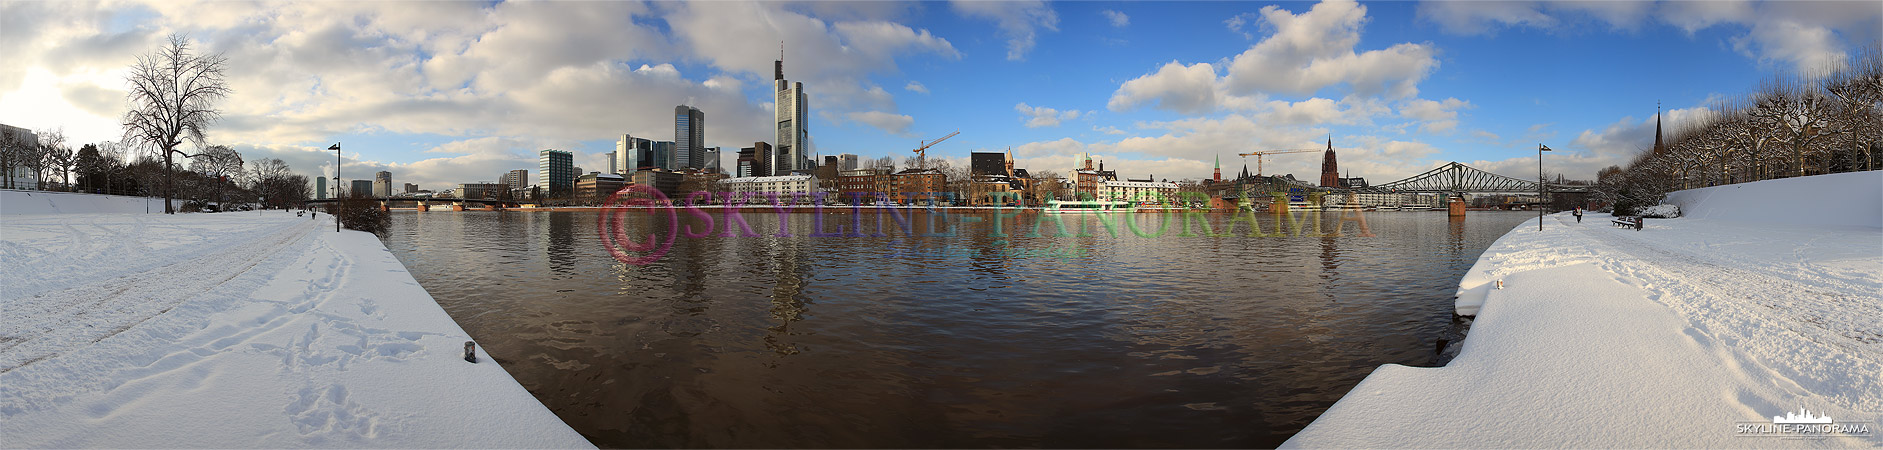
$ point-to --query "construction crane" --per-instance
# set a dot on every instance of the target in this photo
(921, 153)
(1258, 156)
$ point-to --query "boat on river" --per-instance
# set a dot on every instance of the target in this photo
(1084, 206)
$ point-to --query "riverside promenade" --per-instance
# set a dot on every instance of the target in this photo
(1706, 331)
(126, 329)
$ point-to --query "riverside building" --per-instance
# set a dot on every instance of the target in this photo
(556, 170)
(759, 190)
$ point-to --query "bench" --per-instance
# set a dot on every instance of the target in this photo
(1627, 222)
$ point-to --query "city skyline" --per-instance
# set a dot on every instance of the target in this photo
(424, 90)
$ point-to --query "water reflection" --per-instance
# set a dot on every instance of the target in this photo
(970, 340)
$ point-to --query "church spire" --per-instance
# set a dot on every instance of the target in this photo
(1657, 127)
(1219, 169)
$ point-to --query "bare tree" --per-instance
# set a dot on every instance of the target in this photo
(57, 156)
(173, 94)
(221, 164)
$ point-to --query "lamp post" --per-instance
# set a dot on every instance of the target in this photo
(1541, 194)
(336, 184)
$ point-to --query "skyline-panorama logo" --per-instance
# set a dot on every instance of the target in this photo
(1803, 424)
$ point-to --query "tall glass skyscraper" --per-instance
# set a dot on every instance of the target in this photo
(689, 138)
(556, 171)
(790, 111)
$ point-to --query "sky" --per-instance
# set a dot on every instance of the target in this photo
(441, 93)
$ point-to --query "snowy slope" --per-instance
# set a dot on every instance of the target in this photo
(13, 202)
(1666, 337)
(1845, 199)
(237, 330)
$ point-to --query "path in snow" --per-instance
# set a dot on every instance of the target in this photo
(237, 330)
(1667, 337)
(55, 321)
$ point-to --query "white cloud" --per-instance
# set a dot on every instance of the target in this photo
(1236, 22)
(1037, 117)
(1019, 20)
(1116, 18)
(897, 124)
(1808, 49)
(1315, 50)
(1176, 87)
(1108, 130)
(1306, 53)
(1438, 116)
(916, 86)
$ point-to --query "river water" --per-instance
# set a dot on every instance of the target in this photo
(966, 340)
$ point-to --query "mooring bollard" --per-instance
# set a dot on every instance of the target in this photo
(470, 352)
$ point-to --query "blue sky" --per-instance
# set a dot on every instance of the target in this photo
(451, 92)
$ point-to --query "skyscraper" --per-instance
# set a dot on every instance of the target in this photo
(790, 111)
(361, 187)
(382, 184)
(711, 159)
(689, 138)
(320, 188)
(517, 179)
(847, 161)
(555, 169)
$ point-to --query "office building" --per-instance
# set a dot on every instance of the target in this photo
(847, 161)
(790, 111)
(689, 138)
(668, 183)
(361, 187)
(382, 184)
(517, 179)
(411, 188)
(595, 187)
(711, 154)
(18, 176)
(494, 191)
(754, 161)
(320, 188)
(556, 171)
(866, 186)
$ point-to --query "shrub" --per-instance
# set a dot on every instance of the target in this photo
(1661, 211)
(360, 213)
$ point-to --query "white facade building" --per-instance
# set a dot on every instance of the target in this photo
(1137, 192)
(789, 188)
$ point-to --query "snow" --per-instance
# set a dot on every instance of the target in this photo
(234, 330)
(17, 202)
(1666, 337)
(1839, 199)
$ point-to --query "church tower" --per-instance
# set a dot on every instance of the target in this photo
(1219, 169)
(1330, 171)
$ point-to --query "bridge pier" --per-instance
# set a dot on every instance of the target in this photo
(457, 206)
(1456, 207)
(385, 206)
(422, 206)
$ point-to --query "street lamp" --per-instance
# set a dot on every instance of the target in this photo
(1541, 196)
(336, 184)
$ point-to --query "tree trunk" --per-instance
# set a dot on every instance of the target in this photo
(167, 208)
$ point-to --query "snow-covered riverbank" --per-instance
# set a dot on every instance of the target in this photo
(1694, 332)
(234, 330)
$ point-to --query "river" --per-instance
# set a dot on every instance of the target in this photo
(970, 339)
